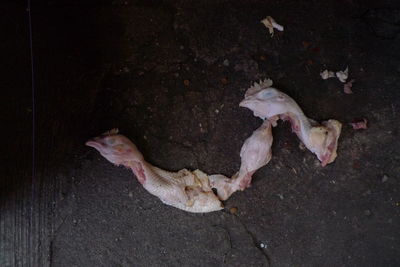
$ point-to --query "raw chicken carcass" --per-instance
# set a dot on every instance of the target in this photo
(186, 190)
(254, 154)
(269, 103)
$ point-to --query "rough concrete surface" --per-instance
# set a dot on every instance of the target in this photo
(170, 75)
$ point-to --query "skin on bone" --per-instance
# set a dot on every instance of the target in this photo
(269, 103)
(186, 190)
(255, 153)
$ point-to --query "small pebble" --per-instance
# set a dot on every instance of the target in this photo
(226, 63)
(368, 192)
(224, 81)
(233, 210)
(262, 245)
(367, 212)
(302, 146)
(216, 111)
(306, 44)
(385, 178)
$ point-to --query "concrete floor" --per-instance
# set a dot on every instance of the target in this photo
(170, 75)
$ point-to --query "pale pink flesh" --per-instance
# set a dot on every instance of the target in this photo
(255, 153)
(269, 103)
(360, 124)
(185, 190)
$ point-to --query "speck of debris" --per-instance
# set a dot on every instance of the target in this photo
(280, 196)
(130, 194)
(302, 146)
(317, 163)
(216, 111)
(224, 81)
(186, 82)
(385, 178)
(367, 212)
(233, 210)
(226, 63)
(368, 192)
(262, 245)
(306, 44)
(181, 47)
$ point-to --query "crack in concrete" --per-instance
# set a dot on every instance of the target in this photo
(254, 239)
(228, 234)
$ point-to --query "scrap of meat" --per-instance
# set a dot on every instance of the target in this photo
(186, 190)
(255, 153)
(270, 103)
(347, 87)
(343, 75)
(359, 124)
(271, 24)
(326, 74)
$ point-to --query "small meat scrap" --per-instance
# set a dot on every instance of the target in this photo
(347, 87)
(343, 75)
(270, 23)
(359, 124)
(326, 74)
